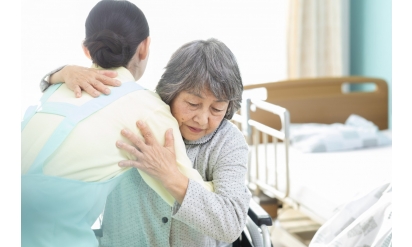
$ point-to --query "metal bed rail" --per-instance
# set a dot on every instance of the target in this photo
(269, 171)
(257, 134)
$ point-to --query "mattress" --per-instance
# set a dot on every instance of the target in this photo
(322, 182)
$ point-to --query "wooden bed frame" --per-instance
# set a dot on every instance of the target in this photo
(324, 100)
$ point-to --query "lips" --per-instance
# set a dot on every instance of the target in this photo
(195, 130)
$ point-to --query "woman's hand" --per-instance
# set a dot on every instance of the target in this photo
(157, 161)
(91, 80)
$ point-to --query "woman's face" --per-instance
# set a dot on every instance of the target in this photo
(198, 115)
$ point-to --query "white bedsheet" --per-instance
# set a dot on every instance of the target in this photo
(322, 182)
(355, 133)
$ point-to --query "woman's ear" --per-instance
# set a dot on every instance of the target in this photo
(86, 52)
(143, 48)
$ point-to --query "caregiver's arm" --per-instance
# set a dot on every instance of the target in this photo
(78, 78)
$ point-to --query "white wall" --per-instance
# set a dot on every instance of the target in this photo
(52, 32)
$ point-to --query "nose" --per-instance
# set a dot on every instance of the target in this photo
(201, 117)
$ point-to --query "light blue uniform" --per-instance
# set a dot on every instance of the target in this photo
(57, 211)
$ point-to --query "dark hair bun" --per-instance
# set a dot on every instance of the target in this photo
(108, 49)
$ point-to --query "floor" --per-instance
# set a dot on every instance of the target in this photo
(275, 242)
(290, 227)
(290, 220)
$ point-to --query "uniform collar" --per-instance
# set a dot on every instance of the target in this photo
(123, 74)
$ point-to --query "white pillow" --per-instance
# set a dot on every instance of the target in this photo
(356, 133)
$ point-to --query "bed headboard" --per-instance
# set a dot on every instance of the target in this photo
(324, 100)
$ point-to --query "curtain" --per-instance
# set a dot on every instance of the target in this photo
(317, 38)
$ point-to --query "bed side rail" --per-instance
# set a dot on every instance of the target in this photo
(257, 136)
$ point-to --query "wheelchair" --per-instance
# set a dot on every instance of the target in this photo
(256, 232)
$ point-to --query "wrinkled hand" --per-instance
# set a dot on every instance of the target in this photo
(91, 80)
(157, 161)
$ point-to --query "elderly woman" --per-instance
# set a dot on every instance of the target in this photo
(203, 86)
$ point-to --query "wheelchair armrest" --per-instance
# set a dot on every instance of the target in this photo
(258, 214)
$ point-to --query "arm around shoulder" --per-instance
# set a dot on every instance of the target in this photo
(155, 156)
(77, 78)
(45, 81)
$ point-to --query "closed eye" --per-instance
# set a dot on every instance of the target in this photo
(216, 110)
(194, 105)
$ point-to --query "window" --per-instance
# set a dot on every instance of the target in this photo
(255, 31)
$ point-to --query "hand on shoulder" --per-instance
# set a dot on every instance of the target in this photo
(92, 81)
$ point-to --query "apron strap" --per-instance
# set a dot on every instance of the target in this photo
(74, 117)
(57, 108)
(34, 108)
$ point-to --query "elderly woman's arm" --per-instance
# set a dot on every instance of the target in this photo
(220, 215)
(162, 163)
(77, 78)
(150, 158)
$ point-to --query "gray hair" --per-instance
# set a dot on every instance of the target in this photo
(203, 65)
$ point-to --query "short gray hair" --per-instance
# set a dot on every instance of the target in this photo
(203, 65)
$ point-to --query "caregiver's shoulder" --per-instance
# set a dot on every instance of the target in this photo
(149, 97)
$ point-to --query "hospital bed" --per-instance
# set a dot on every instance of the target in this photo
(310, 187)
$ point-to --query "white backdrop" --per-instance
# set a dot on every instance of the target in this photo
(52, 33)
